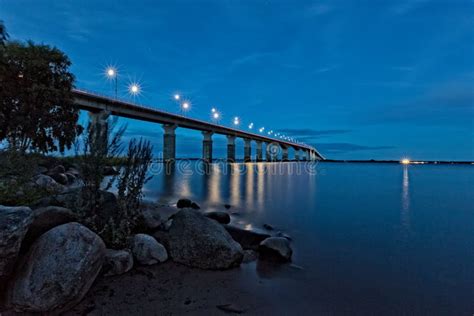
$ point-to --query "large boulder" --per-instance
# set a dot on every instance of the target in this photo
(57, 271)
(14, 224)
(220, 217)
(147, 250)
(197, 241)
(276, 248)
(117, 262)
(248, 239)
(44, 219)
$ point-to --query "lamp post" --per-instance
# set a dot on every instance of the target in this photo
(215, 115)
(134, 89)
(236, 121)
(112, 74)
(185, 106)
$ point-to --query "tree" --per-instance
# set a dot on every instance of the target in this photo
(3, 34)
(36, 103)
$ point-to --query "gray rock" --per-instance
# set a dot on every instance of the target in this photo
(221, 217)
(195, 206)
(58, 169)
(117, 262)
(14, 224)
(268, 226)
(250, 255)
(248, 239)
(147, 250)
(73, 171)
(282, 234)
(44, 219)
(167, 225)
(57, 271)
(70, 178)
(276, 248)
(60, 178)
(200, 242)
(149, 218)
(183, 203)
(41, 170)
(47, 183)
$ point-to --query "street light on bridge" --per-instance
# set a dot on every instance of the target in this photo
(134, 89)
(112, 74)
(236, 121)
(185, 106)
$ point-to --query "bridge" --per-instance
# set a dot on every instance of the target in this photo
(96, 104)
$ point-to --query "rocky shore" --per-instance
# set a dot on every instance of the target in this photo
(49, 261)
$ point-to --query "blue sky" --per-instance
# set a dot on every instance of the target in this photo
(357, 79)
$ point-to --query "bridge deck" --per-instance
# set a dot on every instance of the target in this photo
(93, 102)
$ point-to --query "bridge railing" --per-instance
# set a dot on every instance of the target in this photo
(159, 111)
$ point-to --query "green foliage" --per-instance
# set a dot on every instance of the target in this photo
(3, 34)
(36, 103)
(134, 174)
(101, 144)
(16, 172)
(133, 177)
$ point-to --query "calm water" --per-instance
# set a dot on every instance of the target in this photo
(371, 238)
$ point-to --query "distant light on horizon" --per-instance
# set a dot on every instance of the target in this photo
(405, 161)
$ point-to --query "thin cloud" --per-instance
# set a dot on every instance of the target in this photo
(325, 69)
(318, 10)
(407, 6)
(250, 59)
(308, 132)
(337, 148)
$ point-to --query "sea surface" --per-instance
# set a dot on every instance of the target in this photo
(368, 239)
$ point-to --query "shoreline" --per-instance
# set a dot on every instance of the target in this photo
(173, 289)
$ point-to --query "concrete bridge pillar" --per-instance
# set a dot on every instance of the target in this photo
(169, 142)
(230, 148)
(268, 154)
(297, 154)
(207, 146)
(308, 157)
(284, 153)
(247, 150)
(259, 151)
